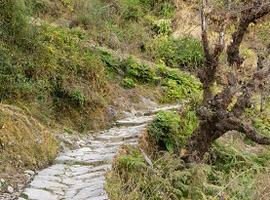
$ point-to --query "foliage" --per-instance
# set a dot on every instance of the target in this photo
(165, 130)
(143, 182)
(14, 25)
(178, 85)
(185, 52)
(261, 120)
(133, 161)
(162, 27)
(141, 72)
(231, 174)
(122, 24)
(170, 130)
(60, 73)
(128, 83)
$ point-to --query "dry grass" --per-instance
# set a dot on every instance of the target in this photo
(186, 21)
(263, 186)
(24, 143)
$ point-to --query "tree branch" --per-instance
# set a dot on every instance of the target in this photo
(257, 11)
(249, 131)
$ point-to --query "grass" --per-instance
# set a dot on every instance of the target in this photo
(230, 174)
(52, 68)
(234, 169)
(24, 143)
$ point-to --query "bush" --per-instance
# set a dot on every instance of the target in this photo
(186, 52)
(77, 98)
(165, 130)
(141, 72)
(178, 85)
(128, 83)
(132, 161)
(141, 181)
(162, 27)
(232, 174)
(170, 130)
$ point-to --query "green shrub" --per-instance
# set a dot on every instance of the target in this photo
(111, 61)
(162, 27)
(132, 161)
(141, 72)
(170, 130)
(178, 85)
(128, 83)
(77, 98)
(167, 9)
(165, 130)
(185, 52)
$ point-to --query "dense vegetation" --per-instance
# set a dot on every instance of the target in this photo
(197, 152)
(65, 63)
(233, 169)
(58, 69)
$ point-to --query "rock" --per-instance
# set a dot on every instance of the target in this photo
(10, 189)
(112, 113)
(2, 180)
(127, 114)
(29, 172)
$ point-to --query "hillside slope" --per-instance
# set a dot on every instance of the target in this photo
(74, 66)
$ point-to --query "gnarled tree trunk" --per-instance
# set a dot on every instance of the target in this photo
(216, 120)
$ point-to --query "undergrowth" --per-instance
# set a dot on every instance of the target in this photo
(229, 174)
(174, 84)
(231, 170)
(24, 144)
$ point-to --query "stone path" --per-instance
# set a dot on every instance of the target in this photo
(79, 174)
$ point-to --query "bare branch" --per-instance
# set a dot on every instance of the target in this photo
(204, 33)
(249, 131)
(257, 11)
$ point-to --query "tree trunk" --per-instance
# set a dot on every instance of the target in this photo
(201, 140)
